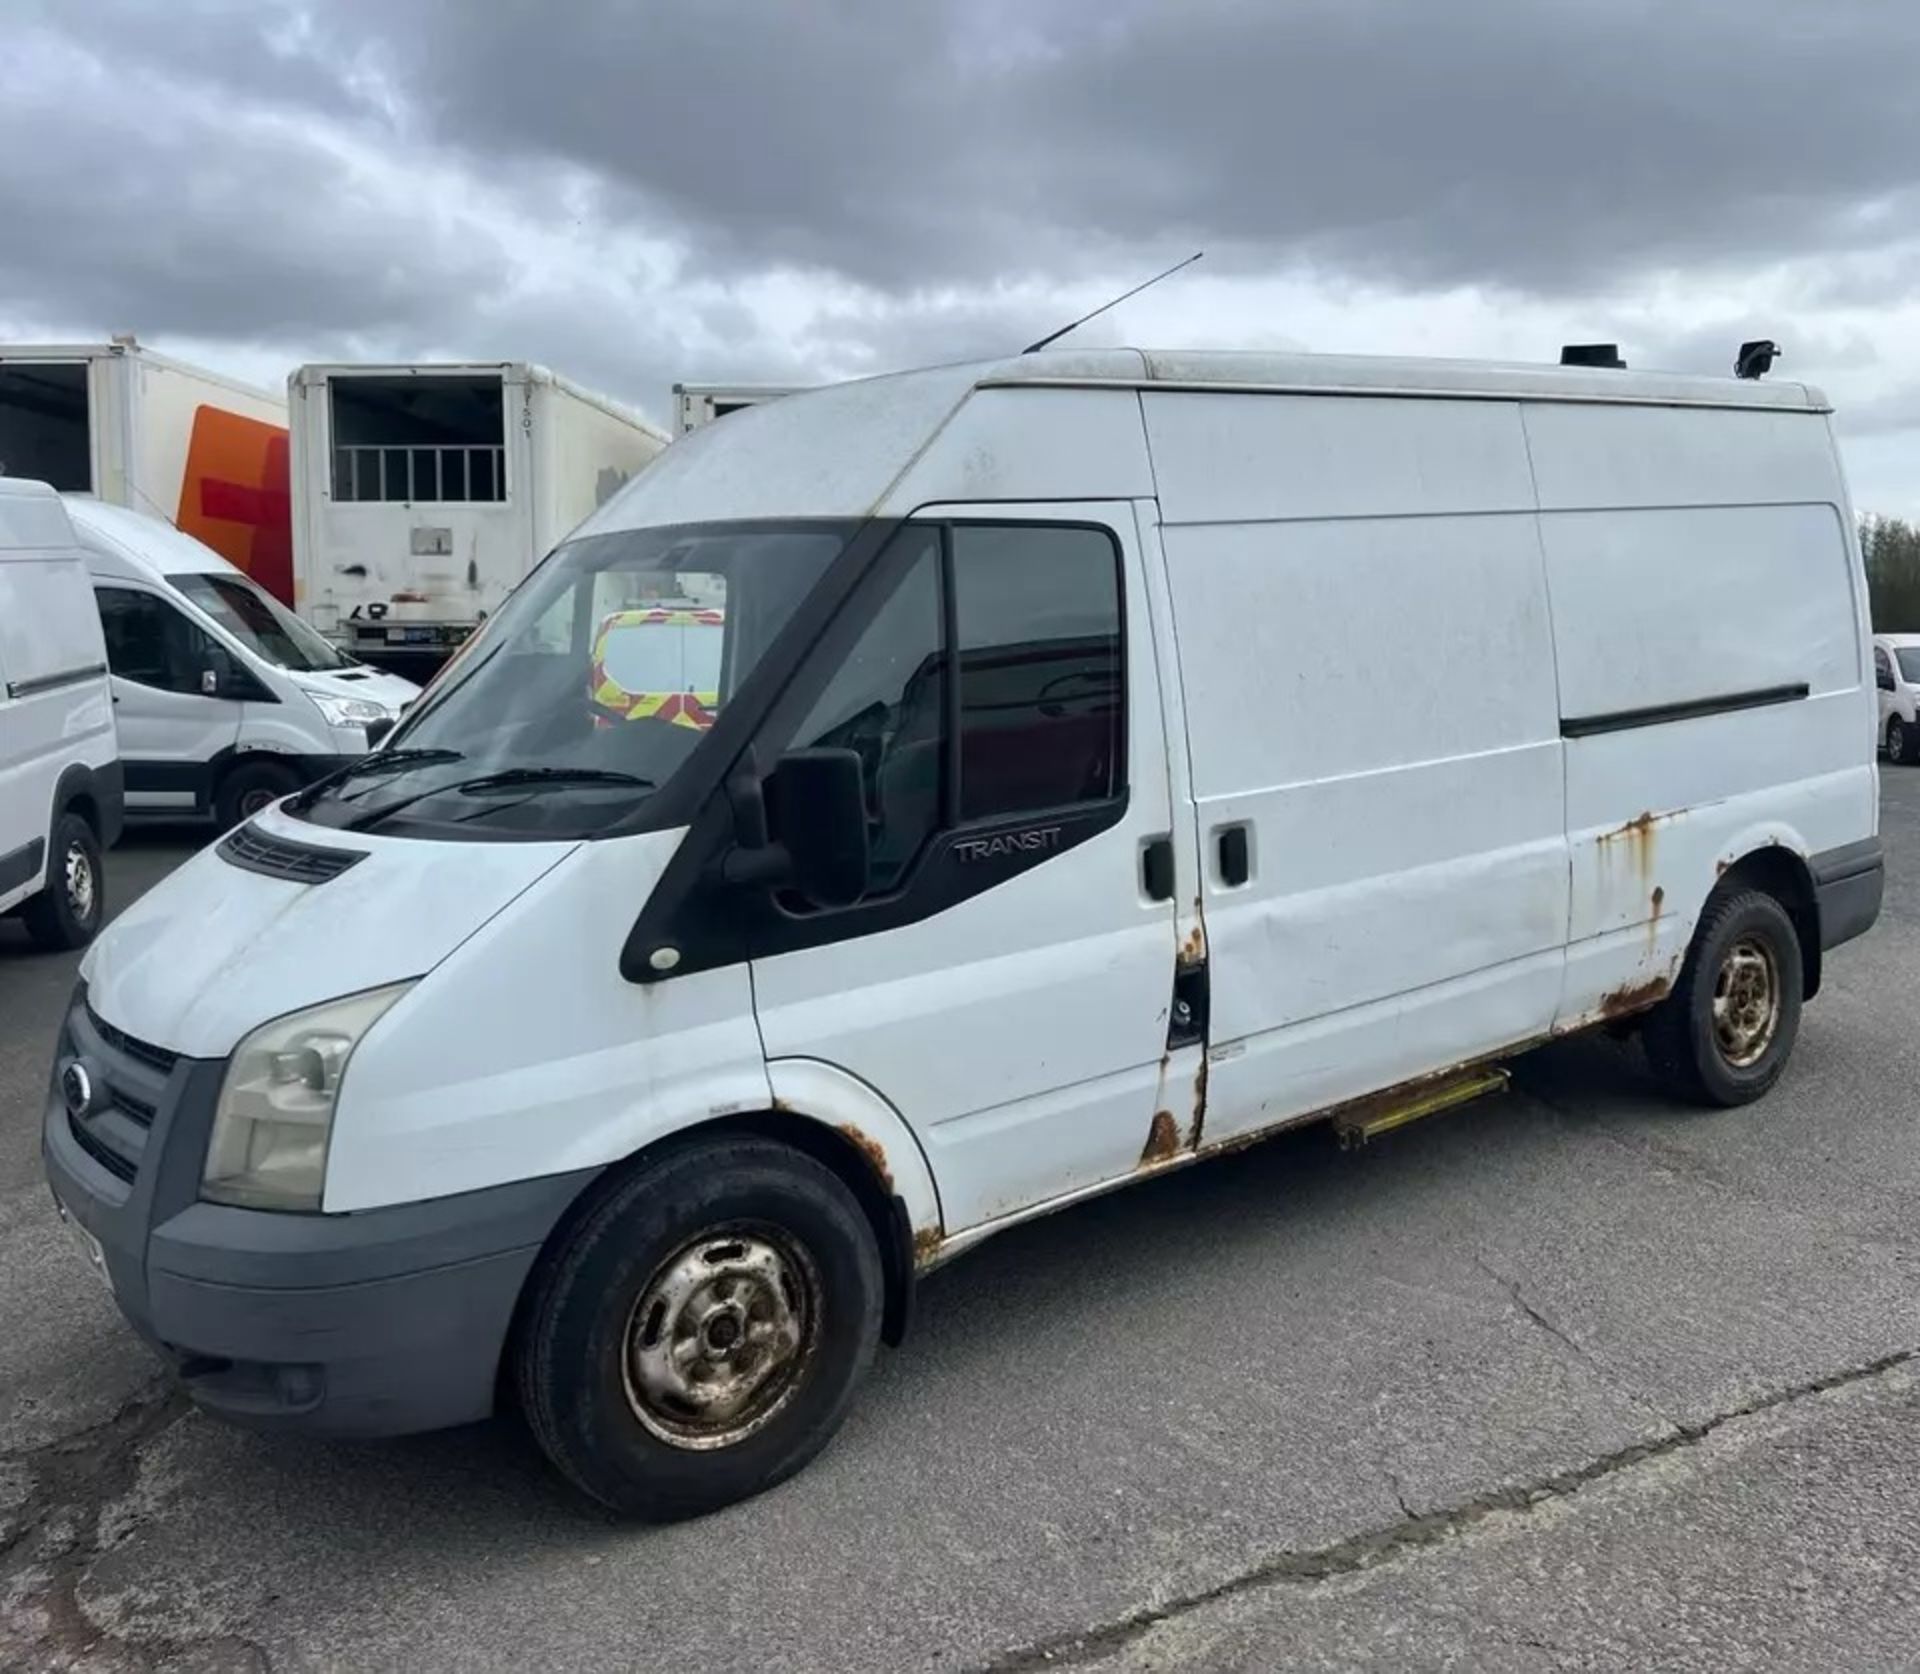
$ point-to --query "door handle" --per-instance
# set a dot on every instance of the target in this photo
(1156, 868)
(1233, 855)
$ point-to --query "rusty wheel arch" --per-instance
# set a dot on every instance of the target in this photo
(1779, 872)
(849, 1155)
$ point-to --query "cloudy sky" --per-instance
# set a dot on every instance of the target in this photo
(773, 191)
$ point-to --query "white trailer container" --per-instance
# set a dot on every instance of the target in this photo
(698, 404)
(138, 430)
(423, 494)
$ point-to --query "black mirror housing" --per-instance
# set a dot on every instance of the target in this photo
(817, 812)
(1886, 681)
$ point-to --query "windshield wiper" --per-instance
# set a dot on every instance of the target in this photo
(513, 778)
(532, 779)
(372, 764)
(391, 761)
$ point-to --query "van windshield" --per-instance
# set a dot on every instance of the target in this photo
(1909, 658)
(260, 622)
(590, 688)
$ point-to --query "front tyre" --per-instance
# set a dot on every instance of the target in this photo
(67, 912)
(249, 788)
(700, 1334)
(1900, 740)
(1724, 1034)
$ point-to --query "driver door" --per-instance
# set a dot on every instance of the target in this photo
(1006, 980)
(171, 729)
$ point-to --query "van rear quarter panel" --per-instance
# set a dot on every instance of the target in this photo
(1693, 556)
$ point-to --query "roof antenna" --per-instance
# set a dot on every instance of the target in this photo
(1054, 337)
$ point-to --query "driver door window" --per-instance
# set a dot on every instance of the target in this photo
(152, 644)
(1035, 725)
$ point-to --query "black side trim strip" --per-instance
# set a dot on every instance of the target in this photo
(1623, 720)
(53, 682)
(24, 865)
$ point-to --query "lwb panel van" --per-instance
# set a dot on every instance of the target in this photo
(1047, 825)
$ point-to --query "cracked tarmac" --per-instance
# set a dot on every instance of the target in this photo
(1570, 1379)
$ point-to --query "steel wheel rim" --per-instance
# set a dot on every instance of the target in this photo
(254, 802)
(722, 1336)
(1896, 739)
(1746, 1002)
(77, 872)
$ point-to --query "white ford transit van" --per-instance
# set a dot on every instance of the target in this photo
(1040, 831)
(225, 699)
(60, 796)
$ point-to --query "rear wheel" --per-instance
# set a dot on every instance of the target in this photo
(67, 911)
(1725, 1033)
(249, 789)
(700, 1334)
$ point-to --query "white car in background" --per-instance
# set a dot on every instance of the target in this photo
(1896, 671)
(226, 701)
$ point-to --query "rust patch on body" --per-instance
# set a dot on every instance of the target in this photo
(1635, 997)
(926, 1245)
(1193, 950)
(1659, 900)
(1163, 1140)
(1634, 839)
(870, 1148)
(1199, 1121)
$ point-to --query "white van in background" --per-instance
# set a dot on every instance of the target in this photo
(1896, 671)
(59, 778)
(1038, 834)
(226, 701)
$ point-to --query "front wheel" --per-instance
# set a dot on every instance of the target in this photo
(700, 1334)
(1724, 1034)
(1899, 739)
(67, 912)
(251, 788)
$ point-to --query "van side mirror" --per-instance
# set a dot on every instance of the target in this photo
(1885, 680)
(817, 812)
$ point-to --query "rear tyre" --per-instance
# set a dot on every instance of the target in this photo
(250, 788)
(1900, 740)
(1724, 1034)
(67, 911)
(700, 1334)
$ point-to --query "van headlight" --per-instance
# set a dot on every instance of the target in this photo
(348, 711)
(268, 1149)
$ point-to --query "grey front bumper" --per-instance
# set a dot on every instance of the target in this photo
(374, 1323)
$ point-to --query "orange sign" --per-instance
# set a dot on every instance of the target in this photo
(235, 497)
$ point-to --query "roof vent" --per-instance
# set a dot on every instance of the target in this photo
(1756, 359)
(1593, 354)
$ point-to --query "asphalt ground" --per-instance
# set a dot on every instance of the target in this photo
(1569, 1379)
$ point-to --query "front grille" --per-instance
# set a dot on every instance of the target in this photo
(154, 1057)
(130, 1077)
(121, 1168)
(135, 1110)
(254, 850)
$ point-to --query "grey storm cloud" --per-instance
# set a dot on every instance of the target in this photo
(1536, 144)
(1539, 145)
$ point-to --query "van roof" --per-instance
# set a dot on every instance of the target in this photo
(32, 518)
(143, 546)
(1275, 370)
(1897, 642)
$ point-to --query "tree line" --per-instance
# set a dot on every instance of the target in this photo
(1891, 547)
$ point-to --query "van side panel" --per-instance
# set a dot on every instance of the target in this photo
(1388, 734)
(1711, 668)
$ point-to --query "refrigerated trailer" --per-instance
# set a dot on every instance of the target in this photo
(698, 404)
(423, 493)
(138, 430)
